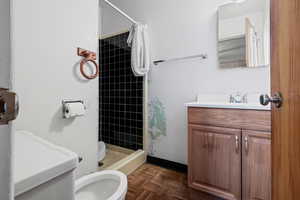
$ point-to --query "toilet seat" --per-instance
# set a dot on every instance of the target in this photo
(103, 185)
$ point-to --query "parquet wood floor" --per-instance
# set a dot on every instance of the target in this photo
(151, 182)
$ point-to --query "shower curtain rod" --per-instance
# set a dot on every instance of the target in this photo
(120, 11)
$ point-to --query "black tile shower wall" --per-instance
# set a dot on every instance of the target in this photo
(120, 95)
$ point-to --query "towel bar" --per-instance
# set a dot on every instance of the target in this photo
(202, 56)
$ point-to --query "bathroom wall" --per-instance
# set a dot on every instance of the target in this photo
(45, 36)
(6, 183)
(181, 28)
(5, 46)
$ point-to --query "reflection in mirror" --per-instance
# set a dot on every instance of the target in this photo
(244, 34)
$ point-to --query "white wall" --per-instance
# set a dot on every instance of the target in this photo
(45, 36)
(6, 184)
(182, 28)
(5, 43)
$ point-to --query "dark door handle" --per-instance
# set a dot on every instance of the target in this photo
(9, 106)
(276, 99)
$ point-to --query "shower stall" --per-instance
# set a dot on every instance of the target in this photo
(122, 105)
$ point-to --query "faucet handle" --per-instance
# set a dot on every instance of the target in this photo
(245, 98)
(231, 98)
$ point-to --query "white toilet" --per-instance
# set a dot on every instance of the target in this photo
(103, 185)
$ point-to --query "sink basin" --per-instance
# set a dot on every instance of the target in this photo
(243, 106)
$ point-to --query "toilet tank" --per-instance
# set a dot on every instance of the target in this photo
(42, 171)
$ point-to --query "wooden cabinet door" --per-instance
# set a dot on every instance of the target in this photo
(256, 165)
(214, 160)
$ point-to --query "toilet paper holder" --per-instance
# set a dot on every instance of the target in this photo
(65, 102)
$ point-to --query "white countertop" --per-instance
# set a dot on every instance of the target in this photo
(242, 106)
(37, 161)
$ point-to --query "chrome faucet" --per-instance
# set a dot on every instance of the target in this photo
(245, 98)
(231, 99)
(238, 98)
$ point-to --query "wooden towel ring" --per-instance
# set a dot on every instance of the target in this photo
(89, 56)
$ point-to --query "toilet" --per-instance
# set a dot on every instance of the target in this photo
(103, 185)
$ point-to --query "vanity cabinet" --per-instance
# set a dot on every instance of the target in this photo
(214, 160)
(256, 165)
(229, 152)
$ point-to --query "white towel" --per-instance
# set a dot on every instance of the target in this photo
(140, 53)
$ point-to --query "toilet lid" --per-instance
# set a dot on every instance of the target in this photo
(38, 161)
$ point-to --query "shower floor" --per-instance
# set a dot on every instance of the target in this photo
(114, 154)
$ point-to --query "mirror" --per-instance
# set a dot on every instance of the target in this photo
(244, 34)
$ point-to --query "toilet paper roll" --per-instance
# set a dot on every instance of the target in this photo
(74, 109)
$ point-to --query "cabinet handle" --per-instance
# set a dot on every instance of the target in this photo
(210, 142)
(237, 144)
(205, 141)
(246, 144)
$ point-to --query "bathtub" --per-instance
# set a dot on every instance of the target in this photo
(42, 170)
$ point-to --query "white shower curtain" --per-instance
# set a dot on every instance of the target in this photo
(140, 53)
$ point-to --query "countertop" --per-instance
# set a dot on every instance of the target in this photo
(242, 106)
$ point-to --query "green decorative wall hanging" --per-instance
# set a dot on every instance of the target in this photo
(157, 121)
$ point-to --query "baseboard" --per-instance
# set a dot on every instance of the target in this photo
(167, 164)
